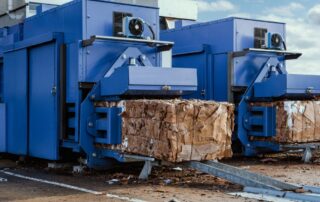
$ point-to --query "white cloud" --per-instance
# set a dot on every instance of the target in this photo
(220, 5)
(287, 10)
(314, 14)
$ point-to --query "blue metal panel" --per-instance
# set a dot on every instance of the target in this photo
(101, 56)
(72, 71)
(198, 57)
(225, 35)
(100, 20)
(162, 76)
(9, 35)
(3, 137)
(218, 34)
(245, 68)
(66, 18)
(289, 85)
(1, 80)
(43, 126)
(78, 17)
(15, 97)
(244, 31)
(107, 125)
(44, 38)
(144, 80)
(211, 68)
(220, 77)
(261, 121)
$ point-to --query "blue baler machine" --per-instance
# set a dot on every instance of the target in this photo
(54, 66)
(243, 61)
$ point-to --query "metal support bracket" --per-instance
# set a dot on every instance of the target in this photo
(306, 148)
(261, 121)
(250, 149)
(286, 54)
(160, 45)
(105, 125)
(130, 52)
(307, 155)
(147, 168)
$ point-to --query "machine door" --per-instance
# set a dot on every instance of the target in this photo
(15, 99)
(43, 126)
(198, 57)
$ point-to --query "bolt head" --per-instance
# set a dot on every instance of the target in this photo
(90, 124)
(142, 57)
(93, 97)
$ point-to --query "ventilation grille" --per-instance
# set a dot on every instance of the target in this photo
(259, 37)
(117, 22)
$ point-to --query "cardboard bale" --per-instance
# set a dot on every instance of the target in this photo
(176, 130)
(297, 121)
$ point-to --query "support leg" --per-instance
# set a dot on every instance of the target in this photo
(146, 170)
(307, 155)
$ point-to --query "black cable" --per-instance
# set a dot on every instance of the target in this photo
(152, 32)
(284, 45)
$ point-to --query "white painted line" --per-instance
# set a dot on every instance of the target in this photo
(53, 183)
(260, 197)
(124, 198)
(70, 187)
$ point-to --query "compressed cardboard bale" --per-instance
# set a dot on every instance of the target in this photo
(297, 121)
(176, 130)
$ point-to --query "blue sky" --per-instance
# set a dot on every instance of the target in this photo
(301, 16)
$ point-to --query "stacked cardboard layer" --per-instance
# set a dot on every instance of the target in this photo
(176, 130)
(297, 121)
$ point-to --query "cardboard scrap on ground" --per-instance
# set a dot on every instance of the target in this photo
(176, 130)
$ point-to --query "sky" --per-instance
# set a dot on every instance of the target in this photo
(302, 18)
